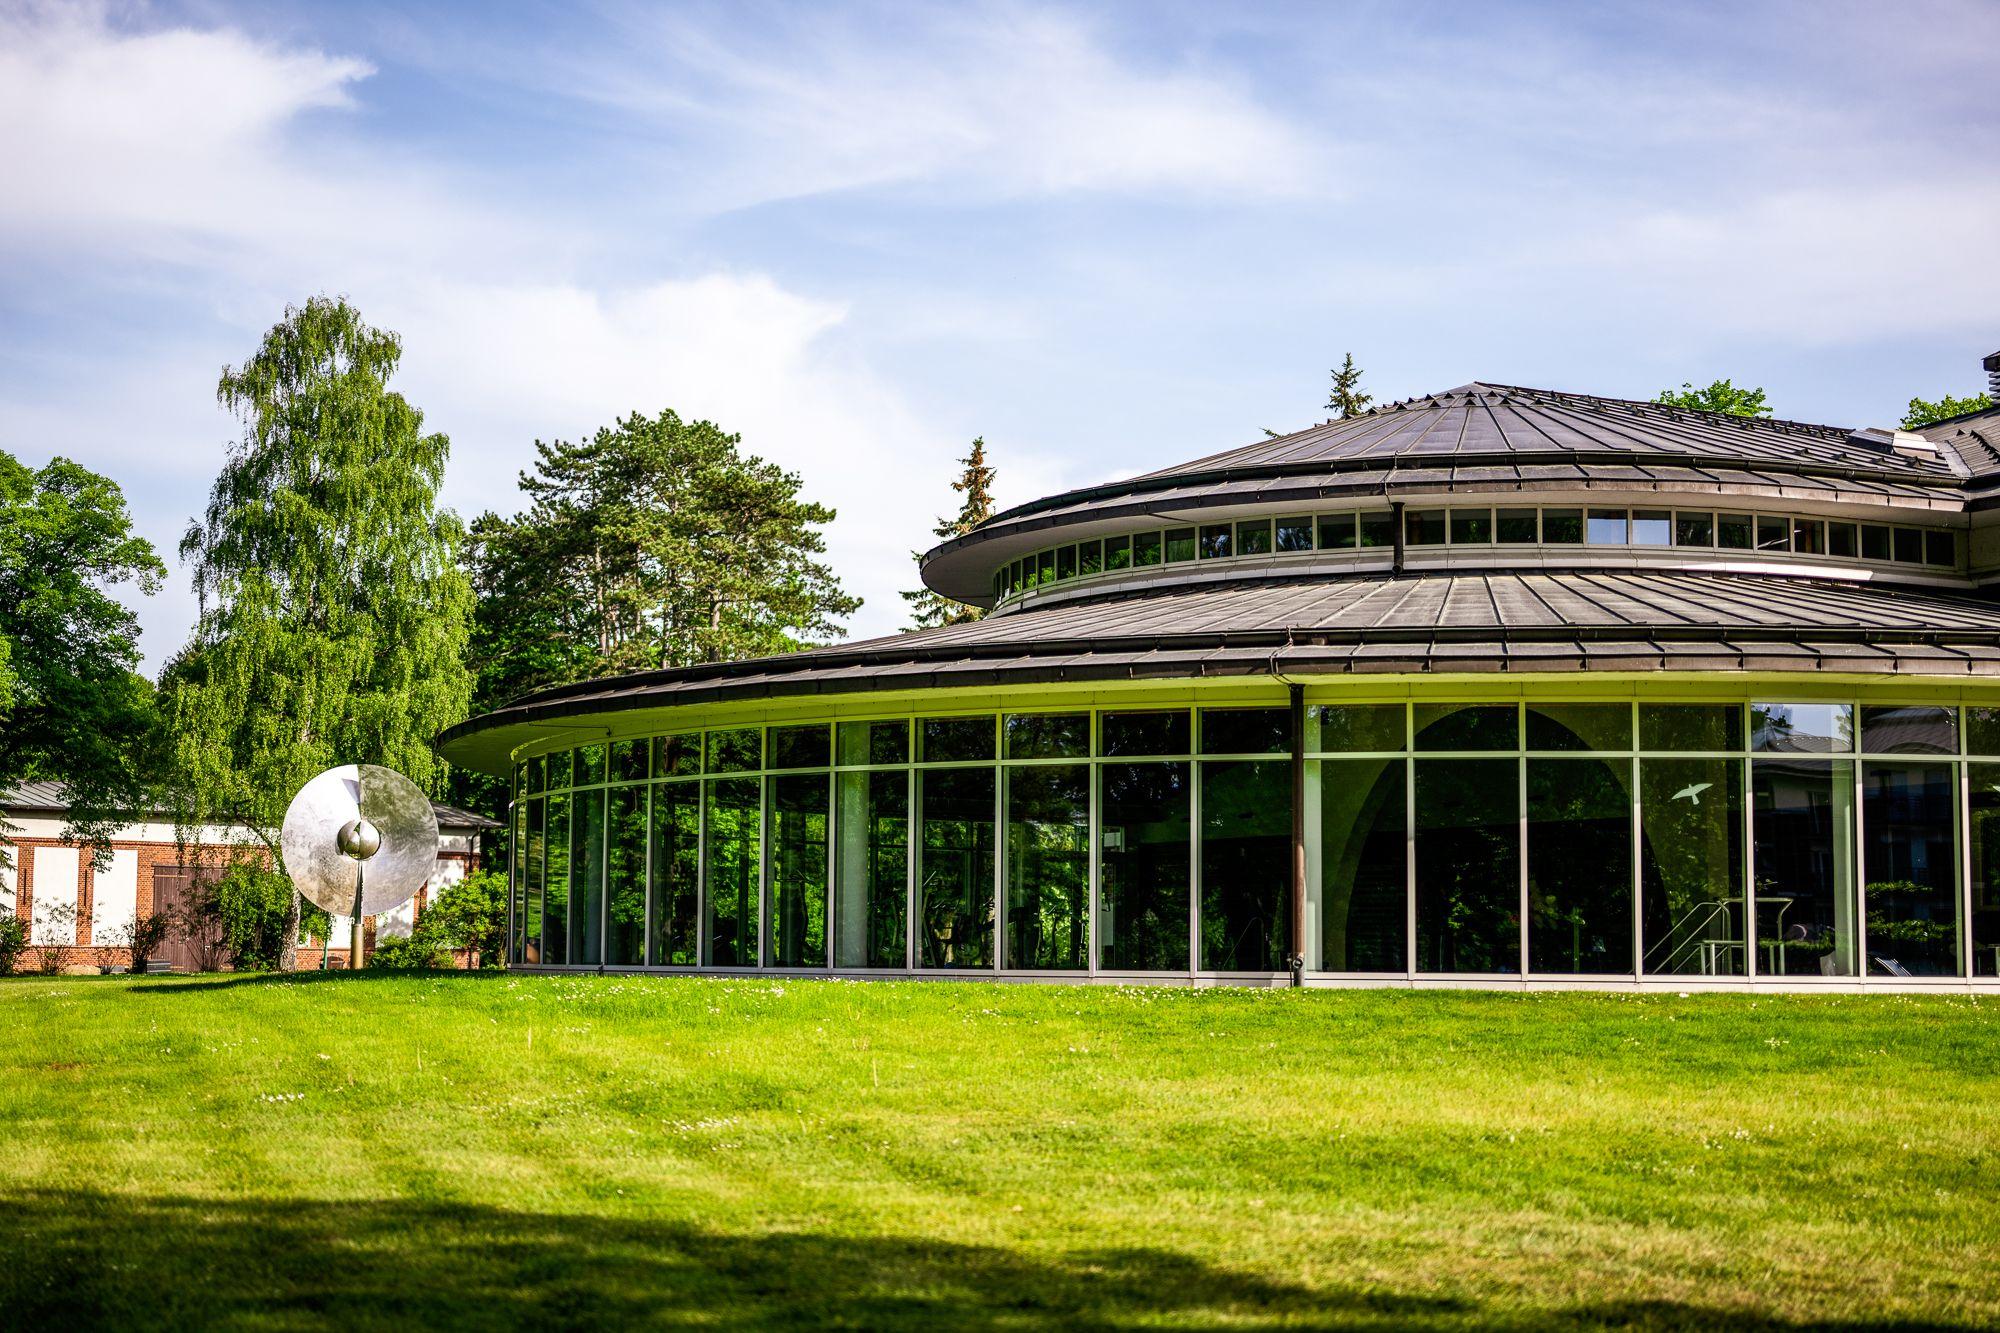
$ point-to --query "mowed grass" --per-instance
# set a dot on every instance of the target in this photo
(499, 1151)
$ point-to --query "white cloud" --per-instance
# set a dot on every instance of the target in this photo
(988, 102)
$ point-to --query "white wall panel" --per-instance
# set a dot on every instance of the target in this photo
(55, 884)
(115, 899)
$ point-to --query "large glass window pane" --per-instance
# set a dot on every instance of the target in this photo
(871, 872)
(1808, 536)
(1773, 534)
(555, 884)
(1562, 527)
(628, 761)
(1423, 527)
(1145, 857)
(1579, 866)
(1146, 548)
(1364, 887)
(1048, 867)
(1180, 545)
(538, 768)
(1378, 527)
(1692, 529)
(586, 872)
(1802, 728)
(1468, 854)
(1117, 554)
(1734, 532)
(1691, 867)
(797, 838)
(677, 756)
(1940, 548)
(1982, 794)
(1164, 732)
(735, 751)
(1360, 728)
(1579, 726)
(537, 843)
(1651, 527)
(1802, 811)
(1246, 730)
(1089, 558)
(1690, 727)
(1246, 864)
(1910, 866)
(1910, 729)
(1515, 526)
(625, 879)
(1843, 539)
(1046, 735)
(1607, 527)
(675, 872)
(589, 765)
(1065, 563)
(1253, 538)
(1909, 548)
(1296, 534)
(875, 742)
(1982, 731)
(955, 884)
(519, 883)
(1874, 542)
(1215, 543)
(957, 739)
(1471, 527)
(1466, 727)
(797, 747)
(730, 871)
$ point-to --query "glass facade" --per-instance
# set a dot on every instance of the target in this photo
(1431, 527)
(1546, 838)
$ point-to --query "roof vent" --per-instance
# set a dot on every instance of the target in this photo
(1905, 442)
(1992, 364)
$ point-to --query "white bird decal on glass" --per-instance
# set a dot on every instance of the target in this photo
(1693, 794)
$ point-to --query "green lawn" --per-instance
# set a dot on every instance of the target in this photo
(499, 1151)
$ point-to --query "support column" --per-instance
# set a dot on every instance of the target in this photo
(1297, 959)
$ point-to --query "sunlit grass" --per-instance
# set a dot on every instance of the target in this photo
(727, 1154)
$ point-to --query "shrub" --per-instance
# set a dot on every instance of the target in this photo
(13, 939)
(55, 957)
(145, 935)
(409, 953)
(244, 910)
(471, 914)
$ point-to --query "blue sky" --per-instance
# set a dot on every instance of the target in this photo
(1106, 237)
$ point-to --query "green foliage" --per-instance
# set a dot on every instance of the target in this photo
(248, 909)
(655, 543)
(415, 952)
(1924, 413)
(73, 709)
(1721, 396)
(471, 914)
(928, 610)
(13, 939)
(1346, 399)
(334, 613)
(145, 935)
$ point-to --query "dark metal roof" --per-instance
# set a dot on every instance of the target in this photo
(1486, 420)
(1975, 438)
(47, 798)
(1484, 438)
(1560, 621)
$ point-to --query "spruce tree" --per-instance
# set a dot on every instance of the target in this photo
(928, 610)
(333, 609)
(1347, 400)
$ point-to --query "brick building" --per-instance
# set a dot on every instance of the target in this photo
(66, 900)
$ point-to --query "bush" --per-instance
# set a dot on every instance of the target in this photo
(144, 936)
(55, 957)
(245, 910)
(409, 953)
(471, 914)
(13, 939)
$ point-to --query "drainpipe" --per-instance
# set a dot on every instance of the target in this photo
(1297, 958)
(1396, 522)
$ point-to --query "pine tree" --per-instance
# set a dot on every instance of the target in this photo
(929, 610)
(333, 610)
(1347, 400)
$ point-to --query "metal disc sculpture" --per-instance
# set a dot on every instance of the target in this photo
(359, 839)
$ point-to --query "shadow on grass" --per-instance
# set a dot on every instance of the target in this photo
(182, 982)
(96, 1259)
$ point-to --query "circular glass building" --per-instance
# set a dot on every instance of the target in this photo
(1496, 686)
